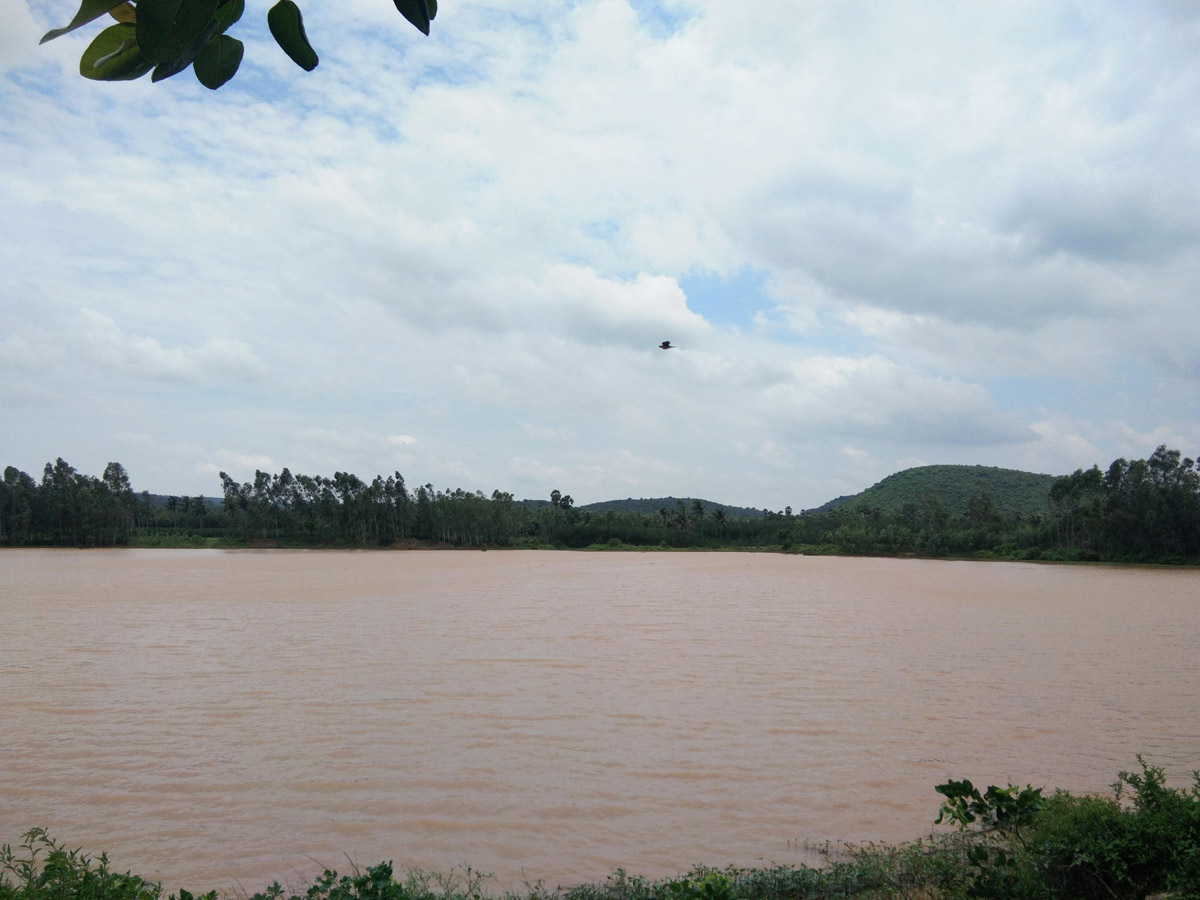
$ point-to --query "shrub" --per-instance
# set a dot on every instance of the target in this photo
(1143, 840)
(42, 869)
(376, 883)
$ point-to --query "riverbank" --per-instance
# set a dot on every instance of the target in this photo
(1012, 843)
(1067, 556)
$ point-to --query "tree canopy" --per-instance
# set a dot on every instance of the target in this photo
(1144, 511)
(164, 37)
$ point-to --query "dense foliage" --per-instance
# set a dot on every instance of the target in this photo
(1142, 841)
(1144, 509)
(1014, 492)
(1140, 511)
(167, 36)
(1013, 844)
(68, 508)
(653, 506)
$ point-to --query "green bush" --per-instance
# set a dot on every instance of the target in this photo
(42, 869)
(1143, 840)
(376, 883)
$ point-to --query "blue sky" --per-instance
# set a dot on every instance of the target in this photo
(880, 236)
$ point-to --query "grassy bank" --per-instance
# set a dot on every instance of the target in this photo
(1142, 841)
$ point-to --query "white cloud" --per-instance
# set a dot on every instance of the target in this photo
(236, 462)
(875, 397)
(643, 472)
(770, 452)
(541, 432)
(1062, 439)
(1133, 440)
(18, 37)
(136, 356)
(858, 456)
(976, 225)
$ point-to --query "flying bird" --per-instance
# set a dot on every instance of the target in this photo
(665, 345)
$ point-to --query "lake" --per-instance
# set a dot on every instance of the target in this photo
(217, 719)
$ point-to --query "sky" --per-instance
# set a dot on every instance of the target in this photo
(879, 235)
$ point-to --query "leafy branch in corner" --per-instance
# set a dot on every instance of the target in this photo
(1004, 811)
(164, 37)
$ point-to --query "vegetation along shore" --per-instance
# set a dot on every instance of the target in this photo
(1142, 511)
(1018, 843)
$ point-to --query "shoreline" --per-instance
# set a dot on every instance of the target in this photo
(187, 542)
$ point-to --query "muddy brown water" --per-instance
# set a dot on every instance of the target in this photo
(225, 719)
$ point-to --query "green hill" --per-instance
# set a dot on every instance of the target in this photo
(650, 506)
(1013, 492)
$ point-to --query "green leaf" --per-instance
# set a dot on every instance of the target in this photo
(228, 13)
(416, 11)
(168, 29)
(124, 13)
(114, 55)
(218, 61)
(287, 27)
(88, 11)
(174, 66)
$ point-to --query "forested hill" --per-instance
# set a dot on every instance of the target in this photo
(1013, 492)
(654, 505)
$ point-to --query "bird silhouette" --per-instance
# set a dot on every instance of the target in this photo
(665, 345)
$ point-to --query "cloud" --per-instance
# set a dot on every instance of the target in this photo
(638, 471)
(770, 452)
(135, 356)
(18, 37)
(528, 470)
(236, 462)
(1186, 438)
(90, 338)
(1061, 438)
(1102, 222)
(858, 456)
(971, 234)
(541, 432)
(874, 397)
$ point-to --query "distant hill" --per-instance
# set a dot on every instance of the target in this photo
(159, 501)
(1012, 491)
(650, 506)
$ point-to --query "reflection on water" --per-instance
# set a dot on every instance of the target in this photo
(224, 718)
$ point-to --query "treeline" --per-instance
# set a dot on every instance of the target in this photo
(1145, 509)
(345, 509)
(1140, 511)
(69, 508)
